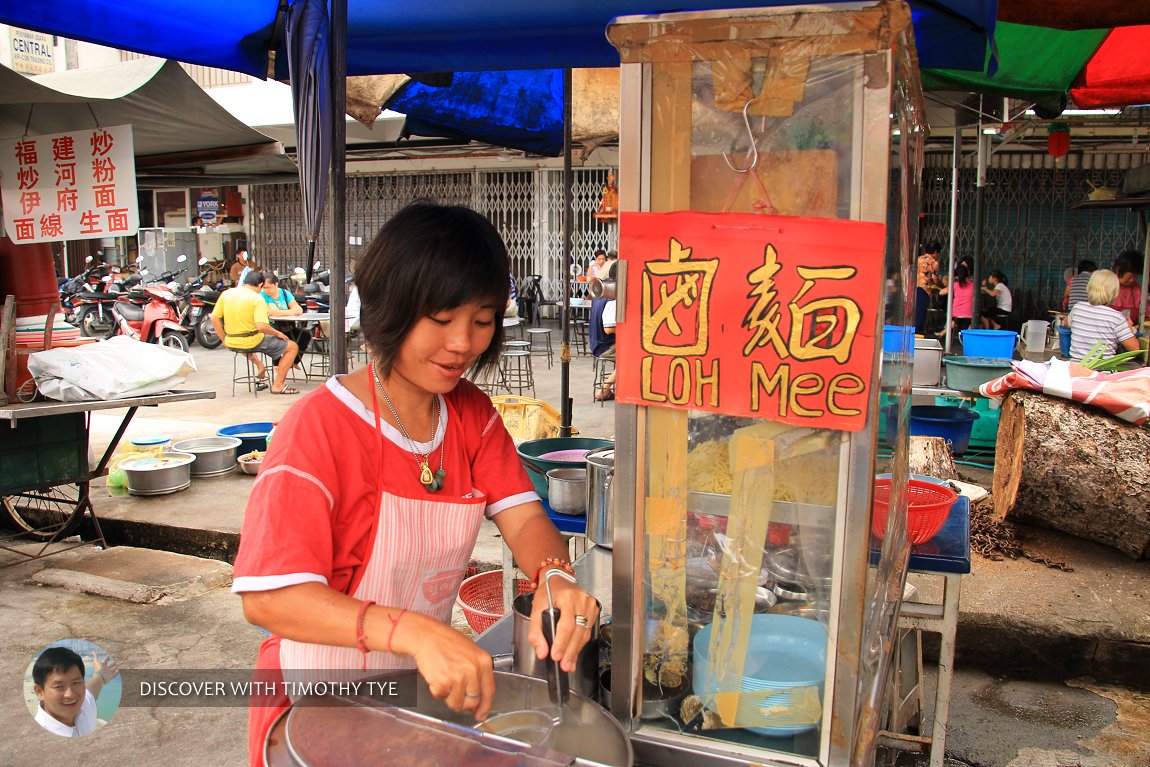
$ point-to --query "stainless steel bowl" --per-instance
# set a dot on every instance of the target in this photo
(158, 476)
(214, 455)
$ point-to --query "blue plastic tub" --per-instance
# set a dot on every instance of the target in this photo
(252, 436)
(989, 343)
(953, 424)
(897, 338)
(1064, 340)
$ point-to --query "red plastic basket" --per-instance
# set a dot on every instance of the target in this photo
(481, 598)
(928, 509)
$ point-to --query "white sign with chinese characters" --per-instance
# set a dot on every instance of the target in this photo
(69, 186)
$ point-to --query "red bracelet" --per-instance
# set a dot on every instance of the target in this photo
(394, 626)
(553, 563)
(360, 636)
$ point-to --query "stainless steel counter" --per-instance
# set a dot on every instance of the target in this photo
(593, 570)
(14, 412)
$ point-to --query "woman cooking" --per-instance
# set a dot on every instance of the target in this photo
(363, 518)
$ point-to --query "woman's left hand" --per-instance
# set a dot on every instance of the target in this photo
(572, 602)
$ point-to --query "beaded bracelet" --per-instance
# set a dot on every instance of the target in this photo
(360, 636)
(553, 563)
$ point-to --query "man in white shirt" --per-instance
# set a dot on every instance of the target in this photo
(68, 705)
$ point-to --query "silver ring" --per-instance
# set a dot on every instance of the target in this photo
(581, 620)
(469, 695)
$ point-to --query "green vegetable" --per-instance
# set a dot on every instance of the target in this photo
(1095, 361)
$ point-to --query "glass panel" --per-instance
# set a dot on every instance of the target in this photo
(796, 153)
(738, 594)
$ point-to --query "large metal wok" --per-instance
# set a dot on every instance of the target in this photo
(362, 731)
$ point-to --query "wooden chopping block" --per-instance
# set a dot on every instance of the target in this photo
(1073, 468)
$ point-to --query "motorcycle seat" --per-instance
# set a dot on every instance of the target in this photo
(87, 296)
(129, 311)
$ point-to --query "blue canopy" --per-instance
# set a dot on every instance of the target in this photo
(406, 36)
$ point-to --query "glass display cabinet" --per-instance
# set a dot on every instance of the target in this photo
(768, 189)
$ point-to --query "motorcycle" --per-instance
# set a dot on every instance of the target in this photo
(316, 297)
(196, 302)
(80, 296)
(149, 313)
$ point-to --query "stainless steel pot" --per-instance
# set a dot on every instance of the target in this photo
(214, 455)
(158, 476)
(584, 679)
(567, 491)
(600, 501)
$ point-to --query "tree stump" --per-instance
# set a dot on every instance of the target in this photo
(1075, 469)
(930, 456)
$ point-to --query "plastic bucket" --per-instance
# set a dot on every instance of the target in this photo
(951, 423)
(28, 273)
(989, 343)
(897, 339)
(1064, 340)
(1034, 335)
(968, 373)
(252, 436)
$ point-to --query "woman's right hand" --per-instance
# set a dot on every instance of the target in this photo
(458, 671)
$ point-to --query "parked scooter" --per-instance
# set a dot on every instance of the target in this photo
(196, 302)
(316, 297)
(81, 300)
(149, 313)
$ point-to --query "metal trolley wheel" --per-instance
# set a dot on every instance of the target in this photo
(48, 515)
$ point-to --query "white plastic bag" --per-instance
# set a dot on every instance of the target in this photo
(114, 369)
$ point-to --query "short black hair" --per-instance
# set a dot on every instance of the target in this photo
(1000, 276)
(1128, 261)
(254, 278)
(424, 260)
(271, 277)
(1087, 266)
(600, 252)
(933, 246)
(55, 660)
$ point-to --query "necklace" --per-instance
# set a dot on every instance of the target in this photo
(432, 481)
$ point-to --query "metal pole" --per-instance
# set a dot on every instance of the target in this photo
(338, 52)
(979, 219)
(1145, 216)
(956, 160)
(565, 275)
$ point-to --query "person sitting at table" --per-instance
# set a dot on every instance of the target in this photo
(601, 338)
(1093, 321)
(597, 269)
(512, 309)
(281, 303)
(995, 285)
(1128, 267)
(240, 318)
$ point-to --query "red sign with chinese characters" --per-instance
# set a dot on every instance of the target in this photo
(765, 316)
(69, 186)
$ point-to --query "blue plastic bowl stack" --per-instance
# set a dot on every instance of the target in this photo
(785, 652)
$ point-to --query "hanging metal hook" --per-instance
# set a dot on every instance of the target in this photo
(751, 137)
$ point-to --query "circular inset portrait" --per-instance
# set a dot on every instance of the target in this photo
(72, 687)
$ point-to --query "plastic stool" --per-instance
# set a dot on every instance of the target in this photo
(515, 372)
(540, 344)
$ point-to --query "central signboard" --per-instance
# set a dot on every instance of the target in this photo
(753, 315)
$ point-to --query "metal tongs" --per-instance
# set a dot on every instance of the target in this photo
(558, 685)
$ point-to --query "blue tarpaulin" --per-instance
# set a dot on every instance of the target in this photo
(405, 36)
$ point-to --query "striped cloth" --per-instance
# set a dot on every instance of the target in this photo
(1124, 395)
(1078, 290)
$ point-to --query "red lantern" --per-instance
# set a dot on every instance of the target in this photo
(1058, 142)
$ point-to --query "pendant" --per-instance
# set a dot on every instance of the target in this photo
(425, 476)
(436, 482)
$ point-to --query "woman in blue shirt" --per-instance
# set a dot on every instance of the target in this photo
(281, 303)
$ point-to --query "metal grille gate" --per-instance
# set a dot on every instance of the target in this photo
(1031, 233)
(526, 206)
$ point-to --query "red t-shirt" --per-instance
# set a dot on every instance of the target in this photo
(310, 513)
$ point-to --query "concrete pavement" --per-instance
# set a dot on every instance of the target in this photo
(1018, 619)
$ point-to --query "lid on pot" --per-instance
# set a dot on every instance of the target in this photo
(604, 456)
(168, 461)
